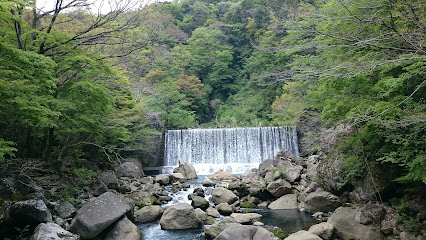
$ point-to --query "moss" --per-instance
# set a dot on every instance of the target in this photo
(147, 201)
(278, 232)
(247, 205)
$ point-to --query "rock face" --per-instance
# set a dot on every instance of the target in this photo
(199, 202)
(279, 187)
(324, 230)
(30, 212)
(222, 175)
(65, 210)
(128, 169)
(179, 216)
(109, 178)
(288, 201)
(370, 213)
(98, 214)
(52, 231)
(214, 230)
(123, 229)
(302, 235)
(187, 170)
(223, 195)
(330, 171)
(245, 218)
(347, 228)
(241, 232)
(162, 179)
(321, 201)
(148, 214)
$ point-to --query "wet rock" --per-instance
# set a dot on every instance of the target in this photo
(212, 231)
(212, 212)
(128, 169)
(288, 201)
(98, 214)
(245, 218)
(201, 215)
(302, 235)
(179, 216)
(123, 229)
(321, 201)
(31, 212)
(324, 230)
(222, 175)
(52, 231)
(148, 214)
(199, 192)
(370, 213)
(234, 232)
(109, 178)
(207, 182)
(279, 187)
(187, 170)
(165, 199)
(347, 228)
(199, 202)
(177, 177)
(224, 209)
(65, 210)
(162, 179)
(263, 204)
(223, 195)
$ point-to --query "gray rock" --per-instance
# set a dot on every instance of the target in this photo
(109, 178)
(265, 166)
(245, 218)
(330, 171)
(177, 177)
(366, 189)
(292, 173)
(388, 224)
(98, 187)
(179, 216)
(222, 175)
(65, 210)
(241, 232)
(370, 213)
(52, 231)
(288, 201)
(123, 229)
(279, 187)
(223, 195)
(199, 202)
(324, 230)
(212, 231)
(128, 169)
(213, 212)
(224, 209)
(98, 214)
(207, 182)
(302, 235)
(321, 201)
(148, 214)
(31, 212)
(347, 228)
(201, 215)
(187, 170)
(162, 179)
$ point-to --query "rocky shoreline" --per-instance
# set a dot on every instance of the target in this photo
(119, 199)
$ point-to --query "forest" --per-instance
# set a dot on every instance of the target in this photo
(82, 89)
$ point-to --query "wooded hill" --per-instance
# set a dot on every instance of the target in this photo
(79, 89)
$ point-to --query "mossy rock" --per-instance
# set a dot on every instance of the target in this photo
(278, 232)
(247, 205)
(147, 201)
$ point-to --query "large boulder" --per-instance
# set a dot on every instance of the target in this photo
(279, 187)
(148, 214)
(162, 179)
(222, 175)
(324, 230)
(31, 212)
(212, 231)
(179, 216)
(288, 201)
(224, 209)
(65, 210)
(98, 214)
(223, 195)
(245, 218)
(369, 188)
(123, 229)
(346, 228)
(109, 178)
(321, 201)
(128, 169)
(241, 232)
(330, 171)
(370, 213)
(176, 177)
(302, 235)
(265, 166)
(52, 231)
(201, 215)
(187, 170)
(211, 211)
(199, 202)
(207, 182)
(292, 173)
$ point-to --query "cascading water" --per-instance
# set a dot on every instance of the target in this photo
(235, 150)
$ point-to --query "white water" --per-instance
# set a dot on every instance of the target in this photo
(235, 150)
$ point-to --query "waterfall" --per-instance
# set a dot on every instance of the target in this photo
(232, 149)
